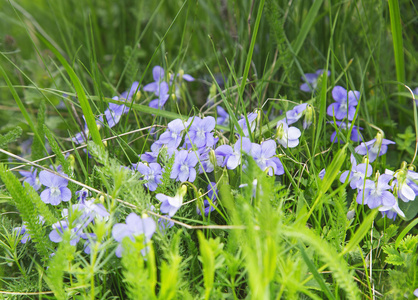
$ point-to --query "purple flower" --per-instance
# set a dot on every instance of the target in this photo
(170, 205)
(162, 96)
(287, 136)
(322, 174)
(293, 115)
(264, 157)
(82, 195)
(223, 116)
(152, 174)
(114, 113)
(133, 91)
(23, 230)
(182, 76)
(172, 137)
(376, 194)
(158, 75)
(164, 224)
(89, 210)
(252, 117)
(357, 174)
(57, 190)
(212, 195)
(232, 157)
(200, 133)
(374, 148)
(406, 183)
(207, 163)
(311, 80)
(58, 230)
(135, 226)
(31, 179)
(416, 290)
(183, 167)
(344, 126)
(152, 156)
(391, 211)
(345, 103)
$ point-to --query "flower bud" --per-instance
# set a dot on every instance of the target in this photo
(279, 131)
(138, 95)
(181, 74)
(212, 158)
(379, 139)
(181, 192)
(309, 113)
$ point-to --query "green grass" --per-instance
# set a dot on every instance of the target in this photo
(292, 236)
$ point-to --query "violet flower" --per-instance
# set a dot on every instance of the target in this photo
(357, 174)
(345, 103)
(57, 190)
(406, 183)
(152, 174)
(212, 195)
(183, 167)
(158, 75)
(135, 226)
(376, 194)
(287, 136)
(31, 178)
(170, 205)
(264, 157)
(374, 148)
(22, 230)
(293, 115)
(200, 132)
(58, 230)
(232, 156)
(162, 96)
(223, 116)
(252, 118)
(173, 136)
(311, 80)
(355, 135)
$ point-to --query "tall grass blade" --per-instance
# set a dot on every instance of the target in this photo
(396, 28)
(81, 95)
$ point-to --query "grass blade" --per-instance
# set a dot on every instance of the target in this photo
(396, 28)
(84, 103)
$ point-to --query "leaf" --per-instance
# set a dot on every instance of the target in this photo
(81, 95)
(393, 256)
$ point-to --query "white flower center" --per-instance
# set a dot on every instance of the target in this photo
(55, 192)
(184, 168)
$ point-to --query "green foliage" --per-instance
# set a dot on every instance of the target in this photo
(38, 144)
(28, 211)
(291, 236)
(403, 276)
(42, 209)
(58, 265)
(171, 271)
(138, 273)
(66, 167)
(211, 259)
(10, 137)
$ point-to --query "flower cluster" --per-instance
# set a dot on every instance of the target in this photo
(382, 191)
(77, 219)
(160, 88)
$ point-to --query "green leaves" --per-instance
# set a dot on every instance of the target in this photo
(81, 95)
(11, 136)
(23, 202)
(211, 259)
